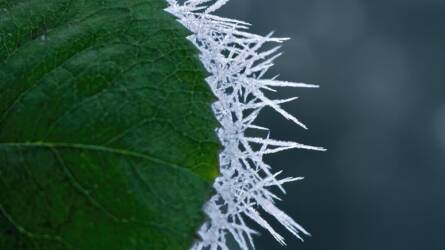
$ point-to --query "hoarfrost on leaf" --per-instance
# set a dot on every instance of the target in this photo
(237, 65)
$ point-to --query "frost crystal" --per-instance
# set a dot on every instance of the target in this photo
(237, 65)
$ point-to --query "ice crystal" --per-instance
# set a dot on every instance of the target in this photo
(237, 64)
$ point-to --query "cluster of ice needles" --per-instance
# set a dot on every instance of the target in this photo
(237, 64)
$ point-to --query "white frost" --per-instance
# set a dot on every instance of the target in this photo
(237, 64)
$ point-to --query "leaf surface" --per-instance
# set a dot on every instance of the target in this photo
(106, 133)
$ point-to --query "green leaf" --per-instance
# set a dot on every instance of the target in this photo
(106, 132)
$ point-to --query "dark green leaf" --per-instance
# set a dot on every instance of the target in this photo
(106, 133)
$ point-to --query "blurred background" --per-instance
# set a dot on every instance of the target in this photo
(380, 111)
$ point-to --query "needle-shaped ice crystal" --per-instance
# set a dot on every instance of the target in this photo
(237, 65)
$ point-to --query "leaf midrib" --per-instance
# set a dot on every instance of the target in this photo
(100, 148)
(126, 153)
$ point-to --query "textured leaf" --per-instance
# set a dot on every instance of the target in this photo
(106, 132)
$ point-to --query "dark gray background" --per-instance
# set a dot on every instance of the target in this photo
(380, 112)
